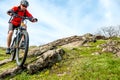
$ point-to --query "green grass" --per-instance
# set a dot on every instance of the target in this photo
(79, 64)
(7, 66)
(3, 54)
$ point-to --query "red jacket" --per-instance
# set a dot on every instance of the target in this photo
(17, 20)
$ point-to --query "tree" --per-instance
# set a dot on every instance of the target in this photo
(110, 31)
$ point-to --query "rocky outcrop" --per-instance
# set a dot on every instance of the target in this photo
(47, 59)
(4, 61)
(111, 46)
(118, 54)
(100, 37)
(11, 72)
(72, 41)
(52, 45)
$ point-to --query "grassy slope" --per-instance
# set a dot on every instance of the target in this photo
(79, 64)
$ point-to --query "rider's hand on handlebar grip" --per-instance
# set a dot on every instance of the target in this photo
(11, 14)
(34, 20)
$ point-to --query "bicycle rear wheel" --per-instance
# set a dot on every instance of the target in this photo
(12, 50)
(21, 51)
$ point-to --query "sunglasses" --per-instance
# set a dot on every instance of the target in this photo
(24, 6)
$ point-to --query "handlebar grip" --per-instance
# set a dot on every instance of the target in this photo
(36, 19)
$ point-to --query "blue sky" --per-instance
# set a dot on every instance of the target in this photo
(62, 18)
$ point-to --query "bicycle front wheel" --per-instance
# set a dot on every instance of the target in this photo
(22, 50)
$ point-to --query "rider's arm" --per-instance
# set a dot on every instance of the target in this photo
(29, 15)
(31, 18)
(11, 11)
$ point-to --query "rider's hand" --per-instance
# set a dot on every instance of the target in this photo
(34, 20)
(11, 14)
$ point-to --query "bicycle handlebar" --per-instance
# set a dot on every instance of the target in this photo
(23, 18)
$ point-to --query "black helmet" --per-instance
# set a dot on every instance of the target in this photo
(25, 3)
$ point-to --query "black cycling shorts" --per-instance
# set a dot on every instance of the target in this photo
(12, 27)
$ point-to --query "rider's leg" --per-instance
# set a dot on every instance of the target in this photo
(9, 38)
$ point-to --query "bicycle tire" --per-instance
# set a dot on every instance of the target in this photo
(12, 50)
(21, 53)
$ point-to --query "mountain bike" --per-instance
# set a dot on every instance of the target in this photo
(17, 49)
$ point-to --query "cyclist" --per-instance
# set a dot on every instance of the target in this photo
(15, 22)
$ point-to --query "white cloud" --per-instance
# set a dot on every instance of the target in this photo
(111, 11)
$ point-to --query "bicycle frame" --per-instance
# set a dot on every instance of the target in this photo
(18, 32)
